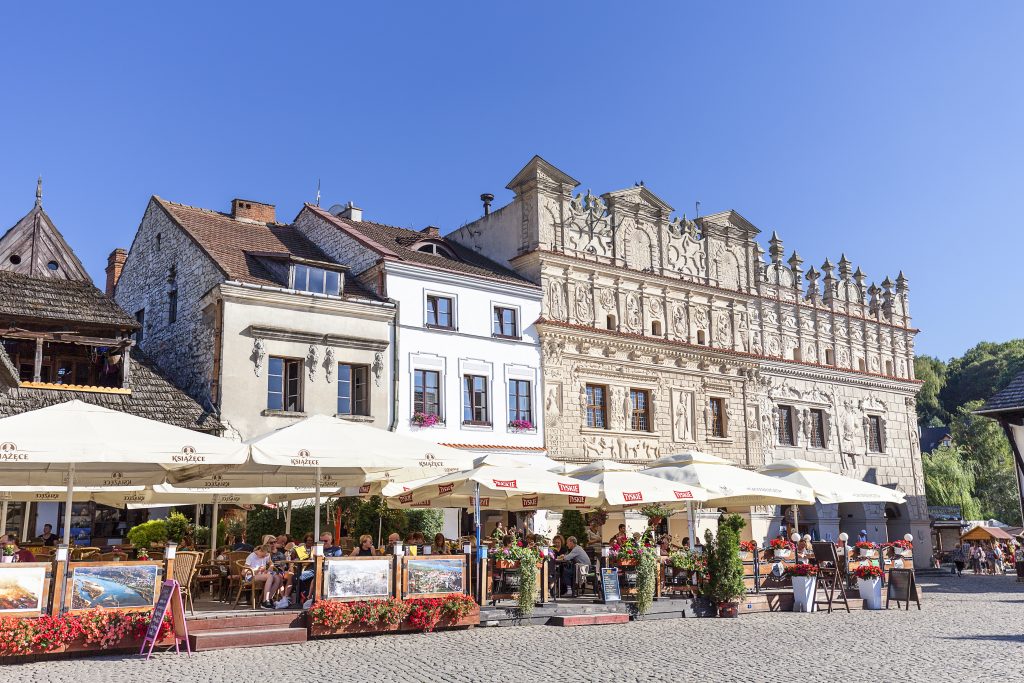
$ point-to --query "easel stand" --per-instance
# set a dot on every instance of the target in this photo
(170, 597)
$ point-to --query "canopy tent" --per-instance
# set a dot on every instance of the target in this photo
(84, 442)
(348, 453)
(986, 533)
(829, 487)
(726, 484)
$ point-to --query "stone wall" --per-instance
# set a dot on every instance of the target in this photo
(335, 243)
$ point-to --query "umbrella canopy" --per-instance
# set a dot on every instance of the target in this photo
(81, 442)
(501, 487)
(829, 487)
(726, 484)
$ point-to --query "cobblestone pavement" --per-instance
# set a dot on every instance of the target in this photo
(968, 628)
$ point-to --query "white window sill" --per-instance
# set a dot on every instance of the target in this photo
(354, 418)
(281, 413)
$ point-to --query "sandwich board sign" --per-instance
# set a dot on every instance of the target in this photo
(170, 598)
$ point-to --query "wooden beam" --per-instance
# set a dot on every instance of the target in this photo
(65, 337)
(126, 365)
(37, 371)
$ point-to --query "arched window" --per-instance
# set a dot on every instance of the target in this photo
(611, 322)
(435, 249)
(656, 328)
(700, 337)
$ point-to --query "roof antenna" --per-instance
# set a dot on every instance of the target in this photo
(39, 191)
(698, 209)
(318, 192)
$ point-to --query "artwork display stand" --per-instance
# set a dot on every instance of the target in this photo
(170, 597)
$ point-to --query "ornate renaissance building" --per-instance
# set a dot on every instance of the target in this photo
(662, 334)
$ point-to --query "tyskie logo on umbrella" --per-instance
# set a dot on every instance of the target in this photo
(443, 489)
(188, 454)
(505, 483)
(484, 502)
(577, 500)
(568, 488)
(530, 502)
(683, 494)
(632, 496)
(405, 498)
(364, 489)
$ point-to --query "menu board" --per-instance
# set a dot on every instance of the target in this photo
(610, 584)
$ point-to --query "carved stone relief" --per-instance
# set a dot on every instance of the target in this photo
(679, 321)
(583, 304)
(682, 416)
(589, 228)
(634, 319)
(556, 300)
(619, 448)
(312, 356)
(378, 367)
(259, 353)
(329, 364)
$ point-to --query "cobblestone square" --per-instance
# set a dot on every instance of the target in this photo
(969, 629)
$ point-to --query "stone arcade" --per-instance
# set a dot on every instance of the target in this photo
(662, 334)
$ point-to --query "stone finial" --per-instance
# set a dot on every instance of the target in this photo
(887, 284)
(859, 277)
(775, 248)
(873, 291)
(39, 191)
(827, 268)
(812, 283)
(795, 262)
(844, 267)
(901, 283)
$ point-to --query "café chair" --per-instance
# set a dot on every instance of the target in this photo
(246, 580)
(185, 564)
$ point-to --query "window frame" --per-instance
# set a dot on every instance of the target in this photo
(819, 428)
(719, 427)
(596, 410)
(875, 421)
(172, 306)
(355, 370)
(307, 270)
(291, 373)
(514, 398)
(640, 415)
(419, 392)
(432, 298)
(478, 410)
(498, 329)
(786, 419)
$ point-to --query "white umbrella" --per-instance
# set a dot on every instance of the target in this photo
(727, 485)
(90, 441)
(829, 487)
(356, 453)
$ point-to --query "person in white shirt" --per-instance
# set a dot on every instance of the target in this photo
(259, 562)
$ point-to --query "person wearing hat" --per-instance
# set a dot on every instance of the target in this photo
(862, 537)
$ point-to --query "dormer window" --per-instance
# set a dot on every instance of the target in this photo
(316, 280)
(435, 249)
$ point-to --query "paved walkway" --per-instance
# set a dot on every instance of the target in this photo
(969, 629)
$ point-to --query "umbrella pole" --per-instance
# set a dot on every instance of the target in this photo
(288, 519)
(198, 512)
(796, 519)
(476, 516)
(213, 531)
(316, 511)
(3, 520)
(691, 528)
(380, 529)
(67, 507)
(24, 522)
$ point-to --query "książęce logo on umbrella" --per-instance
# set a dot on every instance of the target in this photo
(188, 454)
(304, 460)
(9, 452)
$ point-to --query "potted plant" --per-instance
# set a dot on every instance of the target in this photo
(869, 584)
(505, 558)
(626, 553)
(656, 513)
(748, 548)
(520, 426)
(8, 553)
(805, 585)
(725, 569)
(782, 548)
(902, 548)
(424, 420)
(528, 560)
(646, 579)
(867, 549)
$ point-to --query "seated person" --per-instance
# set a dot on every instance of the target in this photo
(48, 537)
(440, 545)
(330, 550)
(304, 550)
(20, 554)
(594, 533)
(242, 546)
(557, 547)
(575, 556)
(259, 562)
(365, 547)
(664, 547)
(620, 536)
(393, 540)
(686, 543)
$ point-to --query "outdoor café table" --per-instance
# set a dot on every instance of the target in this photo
(223, 571)
(295, 567)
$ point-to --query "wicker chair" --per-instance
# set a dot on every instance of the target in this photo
(245, 580)
(185, 564)
(85, 553)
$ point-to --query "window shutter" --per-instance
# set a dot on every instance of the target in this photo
(883, 438)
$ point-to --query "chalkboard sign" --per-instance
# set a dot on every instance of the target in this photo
(610, 584)
(170, 597)
(902, 586)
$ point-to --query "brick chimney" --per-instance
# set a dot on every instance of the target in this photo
(115, 262)
(253, 211)
(431, 231)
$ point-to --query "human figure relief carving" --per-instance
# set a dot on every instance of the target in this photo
(552, 350)
(700, 318)
(683, 416)
(810, 353)
(589, 227)
(556, 300)
(679, 321)
(311, 360)
(378, 367)
(722, 329)
(634, 320)
(584, 308)
(743, 333)
(654, 307)
(606, 297)
(259, 352)
(329, 363)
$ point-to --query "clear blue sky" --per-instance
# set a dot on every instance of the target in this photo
(888, 131)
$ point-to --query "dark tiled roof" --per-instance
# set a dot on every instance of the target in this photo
(391, 241)
(931, 436)
(1010, 399)
(59, 300)
(232, 244)
(153, 396)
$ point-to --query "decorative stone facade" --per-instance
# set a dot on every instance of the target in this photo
(690, 312)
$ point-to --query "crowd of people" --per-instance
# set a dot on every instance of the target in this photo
(987, 557)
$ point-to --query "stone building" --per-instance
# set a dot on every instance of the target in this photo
(253, 319)
(61, 339)
(661, 334)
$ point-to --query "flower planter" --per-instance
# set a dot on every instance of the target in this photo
(870, 592)
(7, 558)
(904, 552)
(728, 609)
(355, 629)
(804, 588)
(865, 553)
(626, 563)
(782, 554)
(506, 564)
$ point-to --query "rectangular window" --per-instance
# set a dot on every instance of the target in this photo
(284, 385)
(506, 323)
(439, 312)
(875, 442)
(172, 306)
(640, 420)
(427, 393)
(353, 389)
(317, 280)
(597, 406)
(520, 401)
(140, 318)
(818, 436)
(786, 433)
(717, 406)
(474, 400)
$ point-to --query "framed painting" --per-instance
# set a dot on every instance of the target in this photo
(24, 589)
(432, 576)
(357, 578)
(112, 585)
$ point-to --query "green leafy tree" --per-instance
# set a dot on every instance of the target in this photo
(373, 516)
(981, 372)
(949, 480)
(573, 524)
(177, 526)
(428, 522)
(932, 372)
(725, 568)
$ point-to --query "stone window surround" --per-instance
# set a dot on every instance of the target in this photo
(453, 297)
(479, 368)
(519, 319)
(431, 362)
(527, 374)
(727, 436)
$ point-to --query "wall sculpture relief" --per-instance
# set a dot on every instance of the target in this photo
(682, 416)
(589, 228)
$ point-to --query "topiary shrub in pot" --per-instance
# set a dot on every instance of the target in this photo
(725, 568)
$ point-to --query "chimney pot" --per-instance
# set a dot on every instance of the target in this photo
(115, 262)
(253, 211)
(351, 212)
(487, 198)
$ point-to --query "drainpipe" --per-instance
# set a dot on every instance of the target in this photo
(394, 366)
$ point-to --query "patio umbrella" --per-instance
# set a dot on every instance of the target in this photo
(349, 453)
(726, 484)
(829, 487)
(81, 441)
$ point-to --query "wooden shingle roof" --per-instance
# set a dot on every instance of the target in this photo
(61, 300)
(1009, 399)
